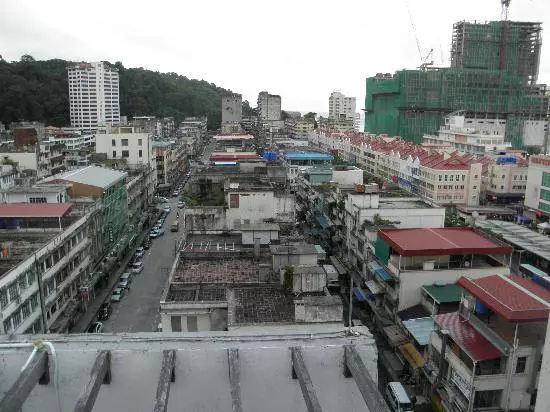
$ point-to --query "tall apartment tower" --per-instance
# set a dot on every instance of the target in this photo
(93, 95)
(341, 107)
(232, 107)
(269, 106)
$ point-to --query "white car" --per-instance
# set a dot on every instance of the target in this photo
(140, 251)
(137, 267)
(166, 208)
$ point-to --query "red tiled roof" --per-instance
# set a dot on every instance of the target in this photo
(513, 298)
(34, 209)
(470, 340)
(439, 242)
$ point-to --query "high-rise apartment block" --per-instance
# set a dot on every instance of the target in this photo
(493, 72)
(341, 107)
(269, 106)
(93, 95)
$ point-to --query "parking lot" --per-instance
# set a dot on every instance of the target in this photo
(137, 310)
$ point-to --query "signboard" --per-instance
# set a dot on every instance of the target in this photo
(461, 383)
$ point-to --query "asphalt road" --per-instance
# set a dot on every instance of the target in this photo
(138, 311)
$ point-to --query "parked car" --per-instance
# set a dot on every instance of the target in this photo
(156, 233)
(146, 243)
(162, 199)
(166, 208)
(175, 226)
(126, 276)
(137, 267)
(160, 222)
(117, 295)
(95, 327)
(140, 252)
(175, 193)
(105, 311)
(181, 205)
(124, 283)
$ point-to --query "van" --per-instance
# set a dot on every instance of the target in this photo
(397, 398)
(175, 226)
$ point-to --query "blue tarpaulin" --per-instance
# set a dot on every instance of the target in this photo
(360, 295)
(384, 275)
(322, 221)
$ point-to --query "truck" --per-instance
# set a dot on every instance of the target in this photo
(175, 226)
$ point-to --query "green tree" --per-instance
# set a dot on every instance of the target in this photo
(312, 116)
(287, 279)
(452, 218)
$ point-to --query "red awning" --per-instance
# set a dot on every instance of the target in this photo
(34, 209)
(464, 335)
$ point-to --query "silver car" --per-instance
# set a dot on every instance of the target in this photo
(117, 295)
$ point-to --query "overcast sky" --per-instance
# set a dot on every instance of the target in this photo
(300, 49)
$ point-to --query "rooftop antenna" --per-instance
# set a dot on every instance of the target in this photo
(505, 5)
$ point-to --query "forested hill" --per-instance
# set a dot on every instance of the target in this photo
(38, 90)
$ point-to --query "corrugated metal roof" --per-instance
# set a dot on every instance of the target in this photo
(308, 156)
(516, 299)
(34, 209)
(448, 293)
(464, 335)
(92, 176)
(439, 242)
(420, 329)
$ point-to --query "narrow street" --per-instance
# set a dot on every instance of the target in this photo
(138, 309)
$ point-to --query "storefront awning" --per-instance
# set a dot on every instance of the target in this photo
(384, 275)
(395, 335)
(411, 355)
(374, 287)
(360, 294)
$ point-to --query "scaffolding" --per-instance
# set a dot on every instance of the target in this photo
(115, 209)
(511, 46)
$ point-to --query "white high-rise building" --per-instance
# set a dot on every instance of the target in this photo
(269, 106)
(341, 107)
(93, 95)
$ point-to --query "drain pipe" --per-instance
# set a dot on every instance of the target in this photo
(38, 345)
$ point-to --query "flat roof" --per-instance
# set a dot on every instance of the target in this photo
(293, 249)
(308, 156)
(92, 176)
(514, 298)
(403, 203)
(518, 235)
(263, 304)
(34, 209)
(440, 242)
(444, 293)
(260, 227)
(476, 346)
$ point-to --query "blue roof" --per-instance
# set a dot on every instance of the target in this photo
(322, 222)
(420, 329)
(308, 156)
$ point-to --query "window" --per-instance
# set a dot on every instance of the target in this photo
(114, 153)
(487, 399)
(12, 289)
(475, 176)
(501, 187)
(140, 142)
(140, 153)
(475, 187)
(16, 319)
(124, 142)
(503, 177)
(113, 142)
(37, 200)
(520, 364)
(7, 325)
(175, 321)
(34, 301)
(3, 298)
(125, 153)
(191, 324)
(22, 282)
(26, 310)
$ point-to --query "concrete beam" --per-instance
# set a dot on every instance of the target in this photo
(36, 372)
(354, 366)
(235, 379)
(299, 371)
(100, 374)
(167, 375)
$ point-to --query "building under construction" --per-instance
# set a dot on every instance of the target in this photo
(493, 74)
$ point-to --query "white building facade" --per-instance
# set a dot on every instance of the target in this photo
(93, 95)
(123, 143)
(341, 107)
(537, 194)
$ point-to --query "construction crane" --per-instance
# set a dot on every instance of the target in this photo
(505, 5)
(424, 60)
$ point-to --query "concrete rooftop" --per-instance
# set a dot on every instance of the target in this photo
(202, 381)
